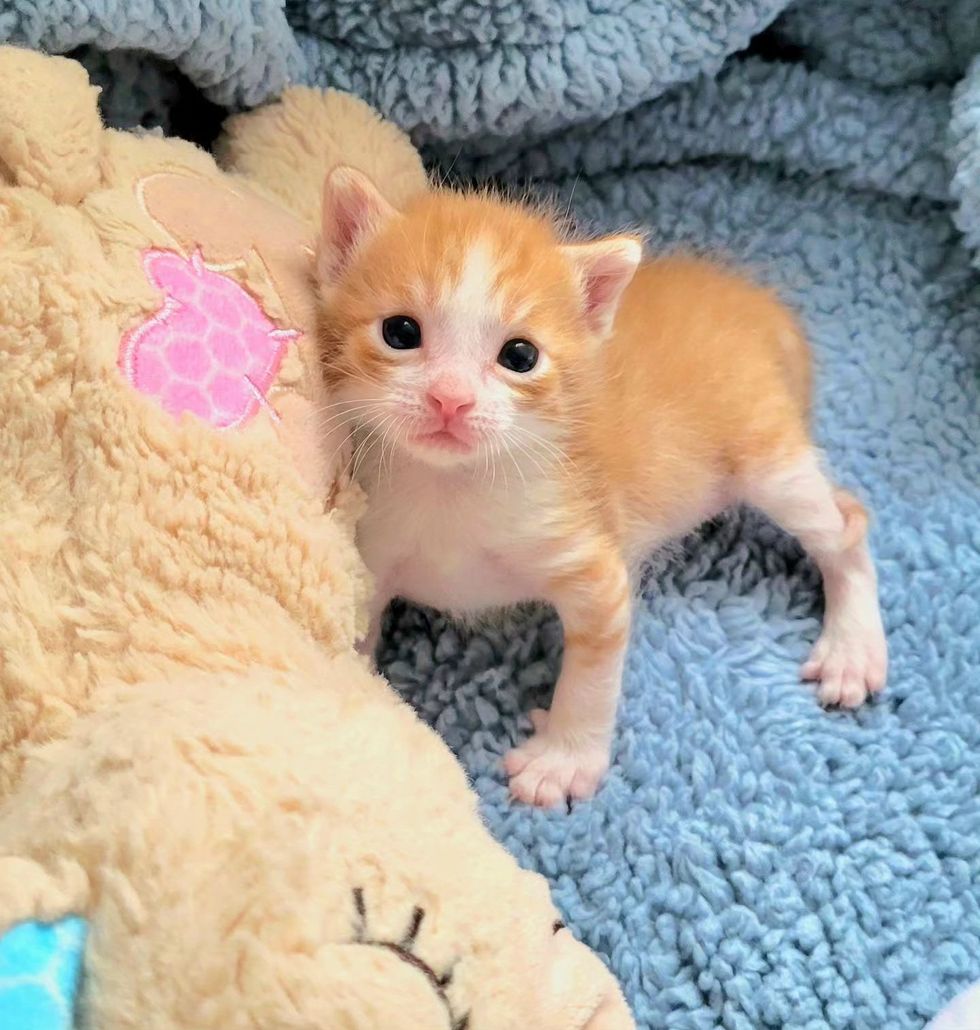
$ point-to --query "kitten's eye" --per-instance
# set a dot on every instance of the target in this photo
(401, 332)
(518, 355)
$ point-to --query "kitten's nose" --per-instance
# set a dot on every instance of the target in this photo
(449, 404)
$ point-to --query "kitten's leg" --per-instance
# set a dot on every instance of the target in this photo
(851, 656)
(569, 752)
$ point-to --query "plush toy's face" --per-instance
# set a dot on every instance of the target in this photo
(533, 973)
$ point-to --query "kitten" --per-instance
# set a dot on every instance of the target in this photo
(534, 417)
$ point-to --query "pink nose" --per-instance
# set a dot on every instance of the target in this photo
(449, 405)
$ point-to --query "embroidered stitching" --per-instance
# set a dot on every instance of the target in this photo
(210, 349)
(405, 950)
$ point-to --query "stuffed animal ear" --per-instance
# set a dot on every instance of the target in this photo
(605, 268)
(353, 211)
(51, 135)
(288, 146)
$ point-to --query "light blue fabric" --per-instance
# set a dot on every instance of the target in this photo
(39, 971)
(752, 861)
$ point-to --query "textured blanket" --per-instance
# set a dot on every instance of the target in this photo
(752, 861)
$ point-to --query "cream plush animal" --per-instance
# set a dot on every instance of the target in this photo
(258, 832)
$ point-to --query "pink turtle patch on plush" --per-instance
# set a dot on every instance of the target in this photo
(210, 350)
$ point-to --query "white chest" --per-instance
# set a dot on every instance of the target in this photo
(449, 541)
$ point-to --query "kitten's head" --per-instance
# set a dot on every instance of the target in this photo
(461, 326)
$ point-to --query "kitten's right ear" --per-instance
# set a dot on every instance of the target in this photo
(353, 211)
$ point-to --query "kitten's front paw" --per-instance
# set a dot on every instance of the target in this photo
(849, 665)
(546, 770)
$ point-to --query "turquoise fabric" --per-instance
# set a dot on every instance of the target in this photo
(39, 974)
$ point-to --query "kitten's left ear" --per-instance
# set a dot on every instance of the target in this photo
(353, 211)
(605, 268)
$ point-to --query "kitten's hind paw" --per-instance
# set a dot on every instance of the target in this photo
(849, 666)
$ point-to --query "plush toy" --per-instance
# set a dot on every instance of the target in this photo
(205, 793)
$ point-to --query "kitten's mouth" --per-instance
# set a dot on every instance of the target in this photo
(445, 439)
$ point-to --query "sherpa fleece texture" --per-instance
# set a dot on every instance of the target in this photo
(257, 831)
(752, 861)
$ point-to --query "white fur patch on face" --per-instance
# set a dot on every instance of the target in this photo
(463, 331)
(471, 300)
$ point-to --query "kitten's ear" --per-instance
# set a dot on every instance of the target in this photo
(605, 268)
(353, 211)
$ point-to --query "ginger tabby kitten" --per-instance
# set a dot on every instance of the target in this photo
(533, 417)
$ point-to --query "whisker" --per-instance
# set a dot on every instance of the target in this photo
(550, 449)
(347, 428)
(346, 405)
(406, 420)
(507, 442)
(558, 460)
(322, 408)
(486, 462)
(516, 441)
(336, 451)
(364, 449)
(346, 416)
(542, 440)
(351, 413)
(493, 465)
(384, 463)
(384, 439)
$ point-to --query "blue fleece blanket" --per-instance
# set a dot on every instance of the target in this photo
(752, 861)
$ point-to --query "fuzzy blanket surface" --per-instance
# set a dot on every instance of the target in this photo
(751, 861)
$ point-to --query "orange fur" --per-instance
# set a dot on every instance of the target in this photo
(710, 366)
(705, 376)
(656, 402)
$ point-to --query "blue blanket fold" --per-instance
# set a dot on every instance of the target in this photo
(752, 861)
